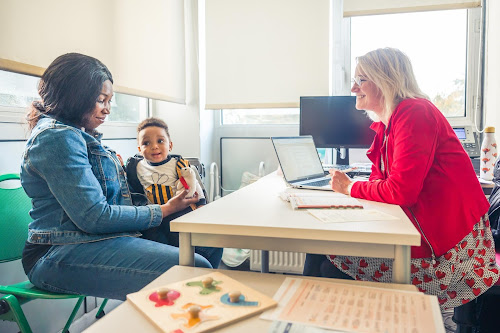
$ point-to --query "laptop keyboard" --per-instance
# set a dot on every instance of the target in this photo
(319, 183)
(358, 168)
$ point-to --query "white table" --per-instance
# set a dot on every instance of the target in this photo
(255, 217)
(126, 318)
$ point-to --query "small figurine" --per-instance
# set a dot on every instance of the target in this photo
(187, 181)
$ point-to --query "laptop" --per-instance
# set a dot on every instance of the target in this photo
(300, 163)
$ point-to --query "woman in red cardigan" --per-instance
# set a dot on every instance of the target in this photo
(420, 165)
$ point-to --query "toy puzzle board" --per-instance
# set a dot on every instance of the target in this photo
(171, 314)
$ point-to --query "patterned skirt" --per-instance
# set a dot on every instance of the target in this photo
(457, 277)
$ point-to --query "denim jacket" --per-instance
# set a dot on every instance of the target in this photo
(78, 188)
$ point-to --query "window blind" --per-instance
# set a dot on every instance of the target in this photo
(142, 43)
(370, 7)
(265, 54)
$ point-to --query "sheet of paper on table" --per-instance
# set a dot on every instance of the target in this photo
(353, 308)
(350, 215)
(482, 181)
(286, 327)
(321, 199)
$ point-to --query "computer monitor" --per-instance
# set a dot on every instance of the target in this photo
(334, 122)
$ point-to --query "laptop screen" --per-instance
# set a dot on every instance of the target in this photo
(298, 157)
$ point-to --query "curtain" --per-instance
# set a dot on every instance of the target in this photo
(141, 42)
(370, 7)
(265, 54)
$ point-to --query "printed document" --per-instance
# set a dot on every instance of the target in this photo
(355, 308)
(350, 215)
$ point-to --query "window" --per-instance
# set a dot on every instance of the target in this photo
(437, 44)
(17, 91)
(442, 45)
(128, 108)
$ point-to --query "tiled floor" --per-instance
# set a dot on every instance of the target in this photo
(449, 325)
(89, 318)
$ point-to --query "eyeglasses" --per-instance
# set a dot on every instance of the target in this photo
(358, 80)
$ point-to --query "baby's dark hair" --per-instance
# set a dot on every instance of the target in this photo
(150, 122)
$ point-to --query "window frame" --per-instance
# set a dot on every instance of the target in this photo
(340, 66)
(473, 110)
(111, 130)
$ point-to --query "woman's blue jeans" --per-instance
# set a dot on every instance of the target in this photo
(109, 268)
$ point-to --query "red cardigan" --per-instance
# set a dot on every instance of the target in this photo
(426, 172)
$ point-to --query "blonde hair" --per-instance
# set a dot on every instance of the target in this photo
(391, 71)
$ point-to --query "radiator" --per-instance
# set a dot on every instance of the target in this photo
(279, 262)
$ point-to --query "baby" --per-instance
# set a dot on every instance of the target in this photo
(159, 172)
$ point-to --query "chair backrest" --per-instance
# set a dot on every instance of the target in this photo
(14, 219)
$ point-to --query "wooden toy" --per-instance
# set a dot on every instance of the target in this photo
(164, 296)
(200, 304)
(234, 296)
(208, 285)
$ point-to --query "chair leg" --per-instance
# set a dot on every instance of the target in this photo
(465, 316)
(100, 313)
(17, 313)
(73, 314)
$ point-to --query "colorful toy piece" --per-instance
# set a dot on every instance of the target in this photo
(164, 296)
(235, 298)
(208, 285)
(194, 314)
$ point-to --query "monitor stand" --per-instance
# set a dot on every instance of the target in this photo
(342, 156)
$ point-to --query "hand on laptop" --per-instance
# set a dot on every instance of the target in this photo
(340, 182)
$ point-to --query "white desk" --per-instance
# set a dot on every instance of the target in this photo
(254, 217)
(126, 318)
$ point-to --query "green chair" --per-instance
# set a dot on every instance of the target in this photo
(14, 219)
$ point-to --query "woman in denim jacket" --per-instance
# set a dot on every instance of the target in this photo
(84, 237)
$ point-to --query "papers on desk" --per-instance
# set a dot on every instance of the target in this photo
(350, 215)
(482, 181)
(355, 308)
(287, 327)
(341, 207)
(320, 200)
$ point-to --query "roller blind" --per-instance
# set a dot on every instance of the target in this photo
(370, 7)
(265, 54)
(141, 42)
